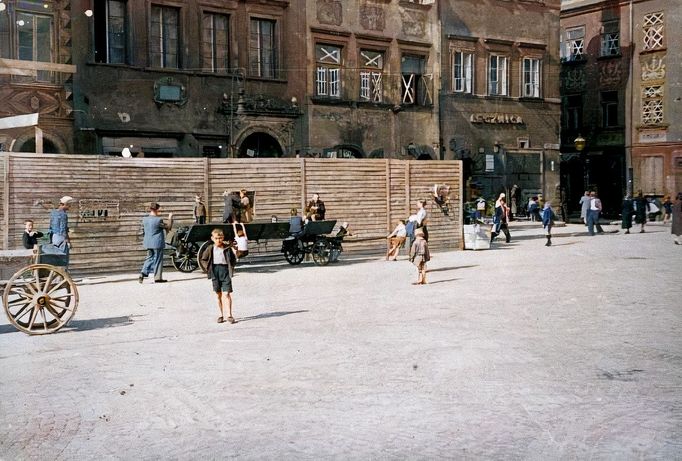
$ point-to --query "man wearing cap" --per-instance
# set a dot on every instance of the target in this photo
(154, 242)
(59, 226)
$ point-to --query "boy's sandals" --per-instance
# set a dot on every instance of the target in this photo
(220, 320)
(231, 319)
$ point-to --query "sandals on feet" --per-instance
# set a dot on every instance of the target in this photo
(231, 319)
(220, 320)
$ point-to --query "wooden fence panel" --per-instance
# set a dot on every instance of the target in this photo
(369, 194)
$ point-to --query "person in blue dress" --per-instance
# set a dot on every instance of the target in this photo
(59, 227)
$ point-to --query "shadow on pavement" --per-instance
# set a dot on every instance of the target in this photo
(442, 281)
(452, 268)
(96, 324)
(267, 315)
(83, 325)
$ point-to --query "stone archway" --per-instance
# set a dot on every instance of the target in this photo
(52, 144)
(259, 143)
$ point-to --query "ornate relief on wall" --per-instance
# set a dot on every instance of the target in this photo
(610, 73)
(330, 12)
(653, 68)
(414, 23)
(25, 102)
(372, 17)
(573, 79)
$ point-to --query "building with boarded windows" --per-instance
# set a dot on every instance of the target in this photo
(621, 92)
(499, 98)
(370, 86)
(36, 74)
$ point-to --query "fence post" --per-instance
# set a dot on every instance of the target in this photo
(407, 187)
(388, 194)
(5, 205)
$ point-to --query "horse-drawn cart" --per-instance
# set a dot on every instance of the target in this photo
(38, 295)
(189, 242)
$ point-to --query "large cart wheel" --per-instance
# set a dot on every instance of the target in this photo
(321, 251)
(185, 257)
(40, 299)
(294, 252)
(200, 263)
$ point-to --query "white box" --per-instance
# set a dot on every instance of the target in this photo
(476, 237)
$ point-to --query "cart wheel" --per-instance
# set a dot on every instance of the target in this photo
(40, 299)
(321, 251)
(294, 253)
(185, 257)
(201, 265)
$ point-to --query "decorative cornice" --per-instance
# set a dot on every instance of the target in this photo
(374, 38)
(337, 33)
(414, 43)
(466, 38)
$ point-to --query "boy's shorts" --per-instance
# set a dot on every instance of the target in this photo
(221, 279)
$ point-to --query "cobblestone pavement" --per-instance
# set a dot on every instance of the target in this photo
(519, 352)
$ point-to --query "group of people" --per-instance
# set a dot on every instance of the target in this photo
(415, 228)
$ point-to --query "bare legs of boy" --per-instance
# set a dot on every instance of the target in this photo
(421, 280)
(225, 298)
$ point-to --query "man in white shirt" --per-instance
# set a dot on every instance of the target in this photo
(593, 214)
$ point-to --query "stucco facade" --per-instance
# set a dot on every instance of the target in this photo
(500, 106)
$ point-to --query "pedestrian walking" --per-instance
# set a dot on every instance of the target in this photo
(59, 227)
(676, 212)
(154, 242)
(417, 221)
(30, 237)
(627, 210)
(230, 203)
(641, 210)
(419, 256)
(667, 209)
(216, 259)
(584, 206)
(548, 218)
(199, 211)
(593, 214)
(396, 240)
(500, 219)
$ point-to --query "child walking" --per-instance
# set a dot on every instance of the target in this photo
(419, 255)
(216, 258)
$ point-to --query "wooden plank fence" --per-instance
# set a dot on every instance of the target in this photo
(369, 194)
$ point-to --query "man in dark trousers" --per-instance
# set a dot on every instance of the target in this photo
(154, 242)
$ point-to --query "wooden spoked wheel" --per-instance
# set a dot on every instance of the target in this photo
(40, 299)
(321, 252)
(185, 258)
(200, 263)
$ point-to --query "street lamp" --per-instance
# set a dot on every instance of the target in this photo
(580, 144)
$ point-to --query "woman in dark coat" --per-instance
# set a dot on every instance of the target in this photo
(641, 209)
(677, 219)
(628, 210)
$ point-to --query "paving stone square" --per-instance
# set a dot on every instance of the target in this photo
(519, 352)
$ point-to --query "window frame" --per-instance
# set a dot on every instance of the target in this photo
(328, 72)
(214, 66)
(574, 112)
(608, 105)
(535, 82)
(106, 47)
(466, 82)
(164, 38)
(44, 76)
(653, 24)
(258, 67)
(415, 87)
(504, 73)
(568, 49)
(371, 78)
(607, 40)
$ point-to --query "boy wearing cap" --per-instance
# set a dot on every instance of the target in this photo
(59, 226)
(154, 242)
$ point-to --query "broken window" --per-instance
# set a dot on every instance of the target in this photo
(328, 71)
(371, 75)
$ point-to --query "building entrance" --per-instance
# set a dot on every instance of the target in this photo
(260, 145)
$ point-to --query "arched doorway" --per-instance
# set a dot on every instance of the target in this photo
(48, 146)
(258, 145)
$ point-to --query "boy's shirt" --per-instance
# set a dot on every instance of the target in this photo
(29, 240)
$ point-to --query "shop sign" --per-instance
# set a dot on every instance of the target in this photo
(496, 119)
(98, 210)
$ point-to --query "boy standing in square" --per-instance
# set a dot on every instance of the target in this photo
(216, 258)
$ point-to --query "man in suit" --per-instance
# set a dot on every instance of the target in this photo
(154, 242)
